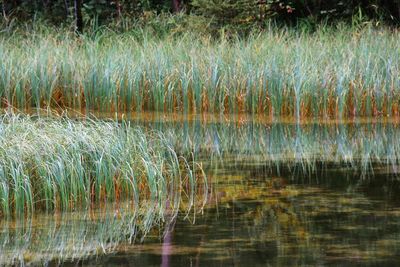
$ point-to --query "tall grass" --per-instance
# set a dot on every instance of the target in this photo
(334, 72)
(60, 164)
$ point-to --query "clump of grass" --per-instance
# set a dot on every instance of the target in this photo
(333, 72)
(61, 164)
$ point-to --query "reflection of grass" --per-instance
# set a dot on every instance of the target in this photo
(330, 73)
(59, 164)
(299, 148)
(68, 236)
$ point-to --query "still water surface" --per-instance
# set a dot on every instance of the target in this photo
(278, 221)
(323, 204)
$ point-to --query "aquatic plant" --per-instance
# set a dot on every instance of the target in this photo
(333, 72)
(62, 164)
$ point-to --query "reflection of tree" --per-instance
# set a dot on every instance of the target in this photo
(304, 224)
(255, 219)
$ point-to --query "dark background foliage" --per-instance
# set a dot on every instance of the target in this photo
(220, 13)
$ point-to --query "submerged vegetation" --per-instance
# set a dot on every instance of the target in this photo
(336, 72)
(60, 164)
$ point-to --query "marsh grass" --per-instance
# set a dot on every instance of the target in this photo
(58, 164)
(333, 72)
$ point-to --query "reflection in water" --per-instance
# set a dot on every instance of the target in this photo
(167, 245)
(280, 194)
(278, 221)
(74, 235)
(306, 147)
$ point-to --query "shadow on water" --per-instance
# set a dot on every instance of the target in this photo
(280, 194)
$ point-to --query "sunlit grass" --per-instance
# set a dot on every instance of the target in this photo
(337, 73)
(61, 164)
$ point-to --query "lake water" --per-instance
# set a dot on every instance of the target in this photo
(280, 194)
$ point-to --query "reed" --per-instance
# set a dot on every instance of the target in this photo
(62, 164)
(337, 72)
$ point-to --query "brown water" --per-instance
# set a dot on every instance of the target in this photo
(257, 220)
(257, 214)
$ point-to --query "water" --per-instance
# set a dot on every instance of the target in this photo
(279, 195)
(277, 221)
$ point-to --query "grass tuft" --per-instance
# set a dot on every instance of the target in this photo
(63, 164)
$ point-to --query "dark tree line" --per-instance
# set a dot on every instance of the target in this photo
(103, 10)
(381, 9)
(223, 11)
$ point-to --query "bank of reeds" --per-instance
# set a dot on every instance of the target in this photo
(61, 164)
(333, 72)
